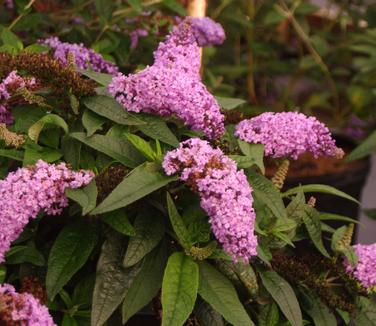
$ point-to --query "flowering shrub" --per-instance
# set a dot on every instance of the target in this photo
(158, 188)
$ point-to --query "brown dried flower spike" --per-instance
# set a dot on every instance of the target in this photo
(10, 138)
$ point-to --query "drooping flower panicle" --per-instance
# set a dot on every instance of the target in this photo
(365, 269)
(27, 191)
(288, 135)
(225, 194)
(207, 31)
(172, 85)
(22, 309)
(83, 57)
(8, 87)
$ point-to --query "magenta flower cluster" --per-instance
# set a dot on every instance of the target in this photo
(172, 85)
(29, 190)
(23, 308)
(84, 58)
(225, 194)
(288, 134)
(365, 269)
(9, 87)
(207, 31)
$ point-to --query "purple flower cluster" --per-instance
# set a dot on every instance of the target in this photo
(84, 57)
(29, 190)
(22, 309)
(172, 85)
(225, 194)
(9, 4)
(135, 36)
(365, 269)
(8, 87)
(288, 134)
(207, 31)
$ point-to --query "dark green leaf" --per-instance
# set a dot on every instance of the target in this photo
(179, 289)
(136, 5)
(25, 254)
(149, 230)
(108, 107)
(207, 316)
(101, 78)
(320, 188)
(118, 220)
(137, 184)
(218, 291)
(267, 193)
(146, 284)
(284, 295)
(112, 281)
(92, 122)
(119, 149)
(12, 154)
(69, 253)
(178, 224)
(311, 220)
(38, 126)
(318, 311)
(269, 315)
(86, 197)
(142, 146)
(156, 128)
(11, 39)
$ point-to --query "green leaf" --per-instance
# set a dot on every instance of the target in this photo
(371, 212)
(311, 220)
(207, 316)
(136, 5)
(3, 273)
(284, 295)
(179, 289)
(157, 128)
(69, 321)
(218, 291)
(178, 224)
(254, 155)
(269, 315)
(86, 197)
(336, 217)
(24, 254)
(318, 311)
(119, 149)
(33, 154)
(12, 154)
(149, 230)
(69, 253)
(11, 39)
(38, 126)
(267, 193)
(366, 313)
(367, 147)
(107, 107)
(146, 284)
(92, 122)
(142, 146)
(100, 78)
(113, 281)
(229, 103)
(71, 149)
(104, 10)
(320, 188)
(175, 6)
(136, 185)
(263, 252)
(118, 220)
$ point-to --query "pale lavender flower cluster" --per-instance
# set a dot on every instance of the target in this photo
(22, 308)
(365, 269)
(225, 194)
(84, 57)
(8, 87)
(172, 85)
(288, 134)
(29, 190)
(207, 31)
(135, 36)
